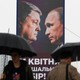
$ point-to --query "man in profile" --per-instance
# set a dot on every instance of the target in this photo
(28, 20)
(54, 25)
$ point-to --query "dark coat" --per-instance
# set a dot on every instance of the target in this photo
(25, 69)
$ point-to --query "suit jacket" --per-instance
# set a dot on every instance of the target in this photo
(59, 73)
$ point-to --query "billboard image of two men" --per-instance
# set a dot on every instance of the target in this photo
(41, 23)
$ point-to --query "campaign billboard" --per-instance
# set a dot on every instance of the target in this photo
(41, 23)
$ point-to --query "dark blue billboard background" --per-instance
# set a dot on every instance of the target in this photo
(43, 63)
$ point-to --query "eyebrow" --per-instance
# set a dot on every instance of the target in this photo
(33, 17)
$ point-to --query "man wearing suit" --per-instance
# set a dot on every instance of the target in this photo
(54, 26)
(28, 20)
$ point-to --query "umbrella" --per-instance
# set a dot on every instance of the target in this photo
(74, 49)
(9, 42)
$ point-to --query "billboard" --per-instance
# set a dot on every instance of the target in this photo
(41, 23)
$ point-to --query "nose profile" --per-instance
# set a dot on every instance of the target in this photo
(38, 28)
(47, 31)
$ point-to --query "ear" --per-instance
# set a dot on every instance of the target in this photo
(19, 28)
(60, 30)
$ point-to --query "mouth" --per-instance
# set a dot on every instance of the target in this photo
(35, 33)
(52, 38)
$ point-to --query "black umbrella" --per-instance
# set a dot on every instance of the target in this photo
(9, 42)
(73, 48)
